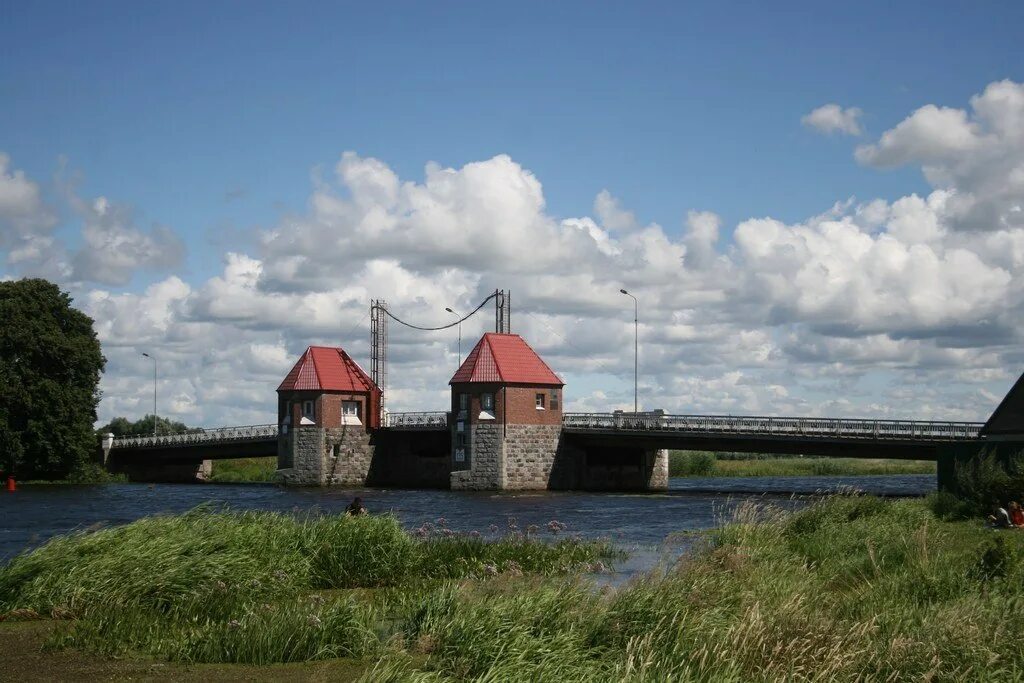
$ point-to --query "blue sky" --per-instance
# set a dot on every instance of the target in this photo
(175, 107)
(214, 119)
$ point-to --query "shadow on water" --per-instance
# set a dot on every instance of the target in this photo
(644, 524)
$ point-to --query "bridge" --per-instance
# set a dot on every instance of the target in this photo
(835, 437)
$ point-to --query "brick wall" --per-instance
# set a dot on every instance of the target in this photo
(512, 404)
(326, 406)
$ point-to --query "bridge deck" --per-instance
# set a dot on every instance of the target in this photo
(817, 428)
(649, 425)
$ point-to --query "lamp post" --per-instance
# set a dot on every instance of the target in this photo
(636, 345)
(460, 332)
(154, 390)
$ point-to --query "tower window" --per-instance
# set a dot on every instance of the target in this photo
(487, 402)
(539, 401)
(307, 409)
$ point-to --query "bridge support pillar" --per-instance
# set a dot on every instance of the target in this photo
(315, 456)
(656, 466)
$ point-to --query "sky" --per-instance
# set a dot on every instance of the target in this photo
(820, 210)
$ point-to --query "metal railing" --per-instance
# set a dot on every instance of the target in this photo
(437, 419)
(813, 427)
(200, 436)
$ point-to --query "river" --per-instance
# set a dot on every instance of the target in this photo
(645, 524)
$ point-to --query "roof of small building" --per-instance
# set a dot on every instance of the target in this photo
(506, 359)
(1008, 417)
(325, 368)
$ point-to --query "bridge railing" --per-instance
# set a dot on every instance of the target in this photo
(437, 419)
(200, 436)
(820, 427)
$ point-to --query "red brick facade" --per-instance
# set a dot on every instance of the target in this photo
(327, 407)
(512, 404)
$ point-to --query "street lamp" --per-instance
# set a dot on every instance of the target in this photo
(154, 390)
(636, 345)
(460, 333)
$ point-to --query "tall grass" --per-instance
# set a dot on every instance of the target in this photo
(848, 588)
(852, 588)
(211, 586)
(243, 470)
(708, 464)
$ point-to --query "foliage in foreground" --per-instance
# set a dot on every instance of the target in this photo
(253, 587)
(846, 589)
(849, 588)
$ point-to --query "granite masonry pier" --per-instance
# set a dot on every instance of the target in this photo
(504, 430)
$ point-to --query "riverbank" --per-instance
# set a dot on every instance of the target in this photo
(705, 464)
(847, 587)
(681, 464)
(243, 471)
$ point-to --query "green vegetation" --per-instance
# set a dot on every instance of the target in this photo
(848, 588)
(707, 464)
(122, 426)
(982, 483)
(852, 588)
(255, 587)
(244, 470)
(50, 365)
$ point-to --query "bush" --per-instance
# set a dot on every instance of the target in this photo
(948, 506)
(692, 464)
(987, 480)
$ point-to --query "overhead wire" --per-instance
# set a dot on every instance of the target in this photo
(443, 327)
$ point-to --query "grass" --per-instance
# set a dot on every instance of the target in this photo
(243, 470)
(254, 587)
(705, 464)
(853, 588)
(848, 588)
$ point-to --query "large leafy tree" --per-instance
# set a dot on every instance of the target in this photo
(50, 365)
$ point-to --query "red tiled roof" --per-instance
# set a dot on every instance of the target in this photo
(323, 368)
(506, 359)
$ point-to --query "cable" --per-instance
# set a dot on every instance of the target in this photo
(349, 334)
(443, 327)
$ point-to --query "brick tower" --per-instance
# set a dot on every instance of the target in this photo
(507, 417)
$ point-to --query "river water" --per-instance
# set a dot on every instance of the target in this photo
(651, 526)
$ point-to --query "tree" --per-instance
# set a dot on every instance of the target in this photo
(122, 426)
(50, 365)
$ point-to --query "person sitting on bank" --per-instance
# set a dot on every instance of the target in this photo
(355, 508)
(1000, 518)
(1016, 514)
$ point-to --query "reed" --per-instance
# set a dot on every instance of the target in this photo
(243, 470)
(848, 588)
(706, 464)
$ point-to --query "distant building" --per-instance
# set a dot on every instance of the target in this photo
(506, 416)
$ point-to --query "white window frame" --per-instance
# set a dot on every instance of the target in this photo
(353, 405)
(308, 409)
(538, 401)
